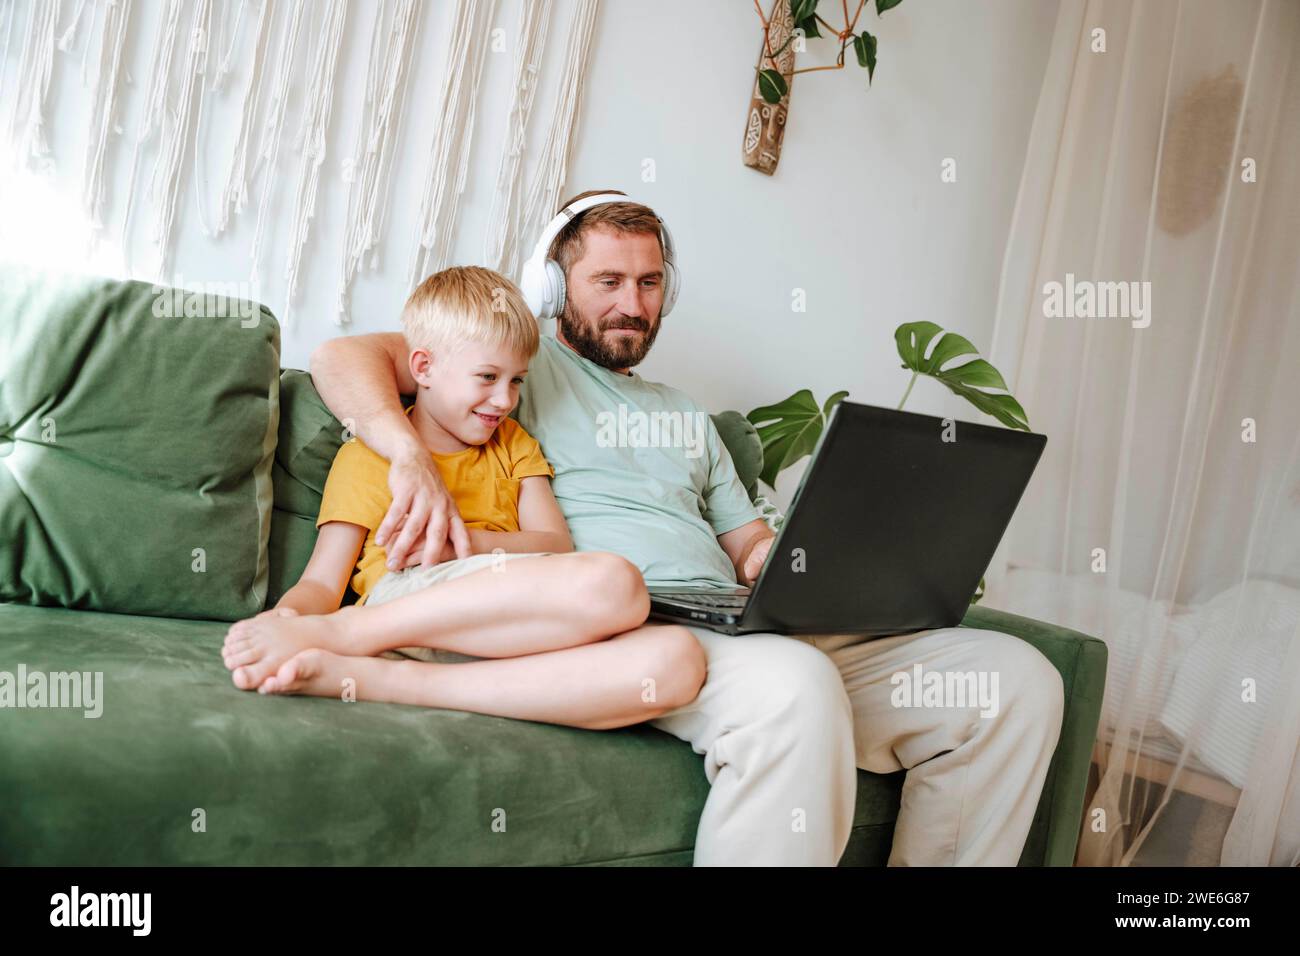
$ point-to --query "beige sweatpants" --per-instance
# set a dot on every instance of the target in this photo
(783, 722)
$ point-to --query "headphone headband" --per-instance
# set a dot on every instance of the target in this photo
(566, 216)
(542, 281)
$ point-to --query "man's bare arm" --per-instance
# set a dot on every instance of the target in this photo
(360, 379)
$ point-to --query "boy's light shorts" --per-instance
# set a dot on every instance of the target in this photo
(395, 584)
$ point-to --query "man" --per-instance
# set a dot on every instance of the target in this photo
(782, 722)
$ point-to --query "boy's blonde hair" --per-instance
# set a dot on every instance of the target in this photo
(469, 303)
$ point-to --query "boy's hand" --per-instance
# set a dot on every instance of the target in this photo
(422, 508)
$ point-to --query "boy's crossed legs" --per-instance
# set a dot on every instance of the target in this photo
(546, 619)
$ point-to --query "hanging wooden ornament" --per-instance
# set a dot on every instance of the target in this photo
(765, 122)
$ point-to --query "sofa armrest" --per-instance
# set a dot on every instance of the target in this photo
(1081, 661)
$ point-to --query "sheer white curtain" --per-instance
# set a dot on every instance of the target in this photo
(1165, 515)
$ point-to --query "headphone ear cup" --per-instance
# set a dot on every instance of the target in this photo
(672, 284)
(555, 288)
(530, 284)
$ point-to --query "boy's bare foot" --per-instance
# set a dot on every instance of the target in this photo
(255, 648)
(314, 671)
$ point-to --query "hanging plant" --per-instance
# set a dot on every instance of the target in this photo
(791, 23)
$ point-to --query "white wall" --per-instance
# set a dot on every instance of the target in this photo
(856, 215)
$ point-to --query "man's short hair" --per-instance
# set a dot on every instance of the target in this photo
(625, 217)
(469, 303)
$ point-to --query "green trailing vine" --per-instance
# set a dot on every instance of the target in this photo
(808, 23)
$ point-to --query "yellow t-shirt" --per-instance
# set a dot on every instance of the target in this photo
(483, 479)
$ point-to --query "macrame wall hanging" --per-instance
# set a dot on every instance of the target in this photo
(311, 141)
(285, 58)
(27, 122)
(553, 165)
(269, 150)
(500, 251)
(235, 193)
(454, 135)
(155, 103)
(117, 17)
(367, 172)
(176, 135)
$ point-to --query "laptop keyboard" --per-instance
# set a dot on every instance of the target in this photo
(704, 600)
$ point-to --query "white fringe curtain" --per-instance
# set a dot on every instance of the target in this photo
(371, 164)
(501, 248)
(223, 64)
(311, 142)
(69, 35)
(235, 193)
(269, 150)
(117, 19)
(9, 7)
(1165, 514)
(453, 137)
(155, 105)
(223, 79)
(176, 136)
(27, 122)
(553, 167)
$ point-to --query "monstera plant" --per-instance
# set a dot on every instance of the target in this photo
(789, 429)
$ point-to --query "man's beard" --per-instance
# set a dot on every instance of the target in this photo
(620, 352)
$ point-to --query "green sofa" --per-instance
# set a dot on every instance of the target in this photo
(159, 478)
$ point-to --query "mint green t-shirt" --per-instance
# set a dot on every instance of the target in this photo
(640, 469)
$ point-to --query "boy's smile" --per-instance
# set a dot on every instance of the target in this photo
(464, 394)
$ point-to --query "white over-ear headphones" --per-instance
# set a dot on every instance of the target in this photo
(542, 281)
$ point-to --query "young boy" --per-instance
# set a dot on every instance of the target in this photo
(549, 634)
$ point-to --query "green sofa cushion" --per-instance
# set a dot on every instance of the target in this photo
(301, 780)
(309, 439)
(741, 438)
(297, 780)
(135, 449)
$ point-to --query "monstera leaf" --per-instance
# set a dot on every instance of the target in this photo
(789, 430)
(966, 380)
